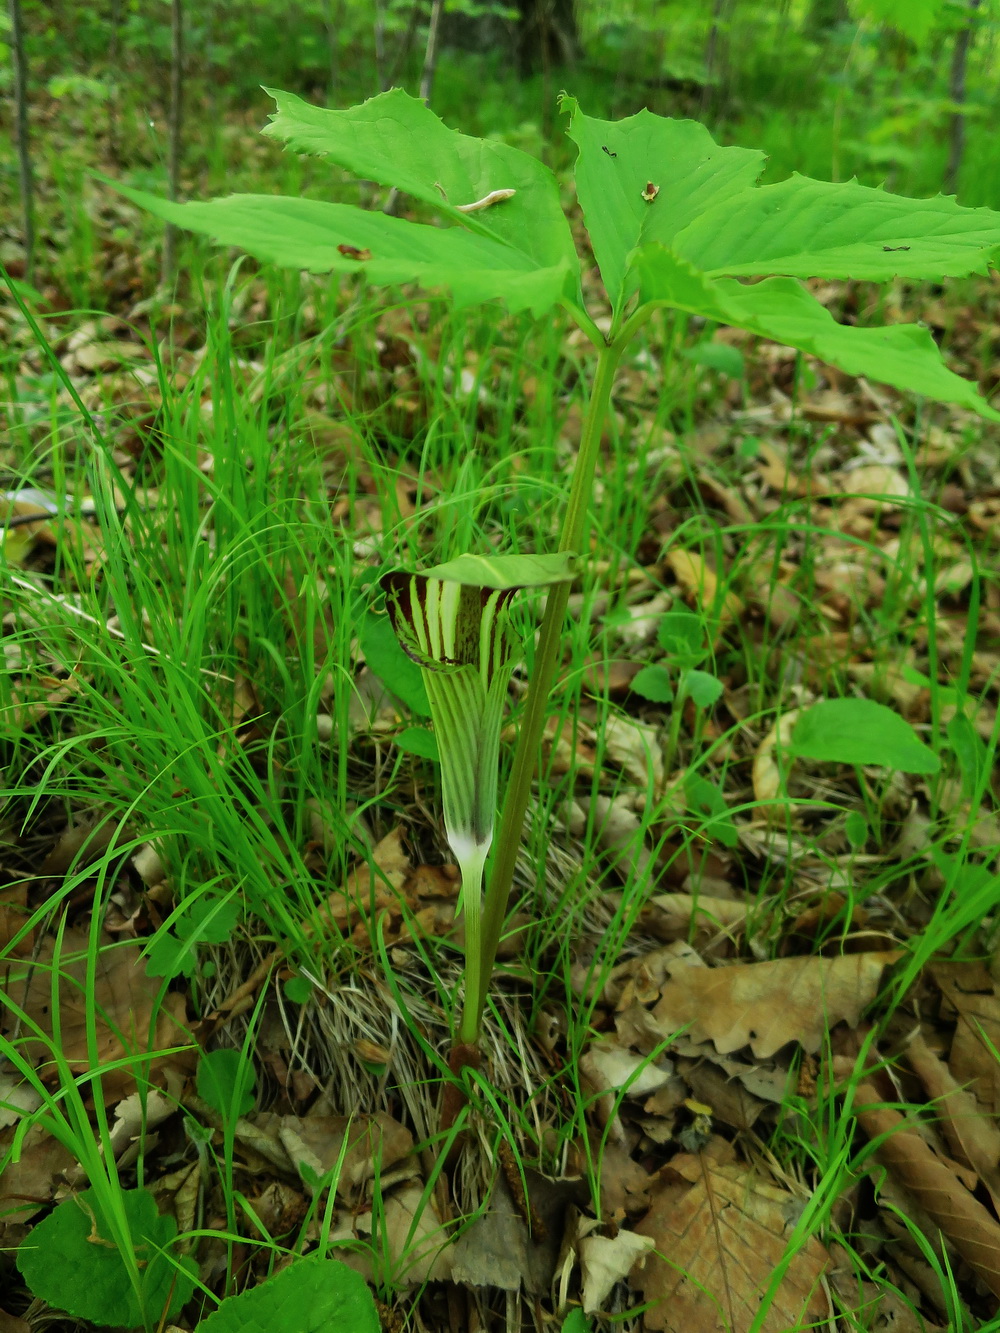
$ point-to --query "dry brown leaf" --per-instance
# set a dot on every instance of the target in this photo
(766, 1005)
(776, 472)
(124, 1008)
(409, 1245)
(10, 1323)
(973, 995)
(972, 1135)
(605, 1260)
(375, 1144)
(721, 1233)
(671, 916)
(701, 585)
(27, 1185)
(766, 777)
(962, 1218)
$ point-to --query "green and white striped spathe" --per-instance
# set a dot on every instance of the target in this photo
(453, 621)
(461, 639)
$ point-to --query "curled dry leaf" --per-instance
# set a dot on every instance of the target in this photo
(636, 747)
(766, 1005)
(972, 1135)
(721, 1232)
(767, 780)
(605, 1260)
(973, 1231)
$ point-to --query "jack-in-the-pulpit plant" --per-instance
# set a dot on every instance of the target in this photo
(453, 620)
(675, 220)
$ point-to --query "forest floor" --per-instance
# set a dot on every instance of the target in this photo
(742, 1048)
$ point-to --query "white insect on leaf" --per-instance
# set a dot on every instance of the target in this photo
(487, 201)
(650, 192)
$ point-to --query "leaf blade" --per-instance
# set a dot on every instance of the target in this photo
(308, 233)
(781, 309)
(397, 140)
(617, 160)
(804, 228)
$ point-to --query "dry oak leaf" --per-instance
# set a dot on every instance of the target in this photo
(721, 1233)
(971, 1134)
(971, 991)
(766, 1005)
(973, 1231)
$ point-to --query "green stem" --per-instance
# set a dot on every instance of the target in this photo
(546, 660)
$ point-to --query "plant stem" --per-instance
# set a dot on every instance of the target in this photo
(508, 839)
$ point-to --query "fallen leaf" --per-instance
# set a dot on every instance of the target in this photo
(768, 784)
(962, 1218)
(701, 585)
(972, 1135)
(671, 916)
(125, 1011)
(973, 1061)
(605, 1260)
(721, 1232)
(766, 1005)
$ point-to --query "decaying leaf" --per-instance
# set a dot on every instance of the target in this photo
(124, 1011)
(972, 994)
(972, 1134)
(766, 1005)
(767, 780)
(973, 1231)
(605, 1260)
(721, 1232)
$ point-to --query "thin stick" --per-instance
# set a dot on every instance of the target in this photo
(956, 90)
(24, 167)
(174, 128)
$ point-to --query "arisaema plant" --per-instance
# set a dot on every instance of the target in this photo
(675, 220)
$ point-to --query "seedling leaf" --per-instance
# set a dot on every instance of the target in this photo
(418, 741)
(653, 683)
(682, 635)
(704, 688)
(315, 1295)
(717, 356)
(860, 731)
(225, 1080)
(705, 799)
(70, 1261)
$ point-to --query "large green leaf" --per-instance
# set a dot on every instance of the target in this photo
(314, 1295)
(620, 158)
(396, 140)
(323, 238)
(813, 229)
(903, 355)
(505, 572)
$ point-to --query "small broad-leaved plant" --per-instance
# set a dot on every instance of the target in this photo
(675, 220)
